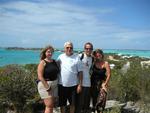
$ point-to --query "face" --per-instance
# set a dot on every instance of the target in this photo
(48, 53)
(88, 50)
(68, 49)
(98, 56)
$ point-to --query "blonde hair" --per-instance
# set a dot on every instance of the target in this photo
(98, 51)
(42, 55)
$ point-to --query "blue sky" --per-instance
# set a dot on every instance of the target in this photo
(108, 24)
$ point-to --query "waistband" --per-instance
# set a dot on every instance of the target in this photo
(37, 81)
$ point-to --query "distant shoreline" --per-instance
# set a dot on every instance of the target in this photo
(57, 49)
(119, 52)
(36, 49)
(21, 48)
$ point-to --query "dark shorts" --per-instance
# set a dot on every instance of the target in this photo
(67, 93)
(83, 100)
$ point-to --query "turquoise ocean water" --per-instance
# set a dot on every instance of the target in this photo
(32, 56)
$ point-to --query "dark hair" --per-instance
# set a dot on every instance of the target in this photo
(98, 51)
(88, 43)
(42, 55)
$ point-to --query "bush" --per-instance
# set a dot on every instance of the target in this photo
(17, 88)
(133, 85)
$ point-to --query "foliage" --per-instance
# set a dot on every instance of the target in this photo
(115, 109)
(133, 85)
(114, 85)
(32, 68)
(17, 88)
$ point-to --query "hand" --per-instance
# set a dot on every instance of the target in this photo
(105, 84)
(48, 89)
(79, 88)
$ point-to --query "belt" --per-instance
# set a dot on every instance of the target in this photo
(37, 81)
(47, 79)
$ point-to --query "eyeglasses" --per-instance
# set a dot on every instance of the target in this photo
(69, 47)
(88, 48)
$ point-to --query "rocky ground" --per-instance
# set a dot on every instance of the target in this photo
(129, 107)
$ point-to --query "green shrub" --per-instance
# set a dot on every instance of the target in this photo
(17, 88)
(115, 109)
(133, 85)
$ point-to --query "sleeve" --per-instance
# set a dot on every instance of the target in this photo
(58, 60)
(79, 64)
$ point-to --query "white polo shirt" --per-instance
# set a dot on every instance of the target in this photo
(70, 66)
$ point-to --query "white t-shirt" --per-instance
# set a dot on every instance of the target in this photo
(86, 62)
(70, 66)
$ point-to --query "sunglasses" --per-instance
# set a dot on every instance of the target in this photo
(69, 47)
(88, 48)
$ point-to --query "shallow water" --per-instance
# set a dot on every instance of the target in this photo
(32, 56)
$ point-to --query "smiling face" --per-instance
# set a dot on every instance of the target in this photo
(98, 54)
(68, 49)
(88, 49)
(48, 53)
(98, 57)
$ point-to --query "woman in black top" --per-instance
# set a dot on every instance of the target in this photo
(47, 75)
(100, 76)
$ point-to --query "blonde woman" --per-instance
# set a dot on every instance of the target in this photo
(47, 76)
(99, 79)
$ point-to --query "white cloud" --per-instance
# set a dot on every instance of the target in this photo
(36, 24)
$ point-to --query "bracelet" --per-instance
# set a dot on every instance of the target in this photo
(48, 88)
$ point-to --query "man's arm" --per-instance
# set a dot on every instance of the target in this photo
(80, 78)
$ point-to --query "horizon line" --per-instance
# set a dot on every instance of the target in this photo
(74, 48)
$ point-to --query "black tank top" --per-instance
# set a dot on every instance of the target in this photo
(51, 70)
(98, 74)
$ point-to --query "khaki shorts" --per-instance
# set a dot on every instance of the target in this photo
(52, 93)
